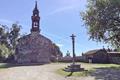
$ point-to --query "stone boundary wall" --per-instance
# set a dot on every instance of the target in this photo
(115, 60)
(65, 59)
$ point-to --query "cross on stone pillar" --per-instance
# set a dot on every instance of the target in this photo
(73, 67)
(73, 47)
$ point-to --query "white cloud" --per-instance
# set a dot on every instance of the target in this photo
(65, 5)
(60, 45)
(62, 9)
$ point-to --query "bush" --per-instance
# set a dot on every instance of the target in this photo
(4, 52)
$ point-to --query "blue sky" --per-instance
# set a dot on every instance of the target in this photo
(59, 19)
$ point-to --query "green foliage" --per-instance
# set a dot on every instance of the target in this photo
(56, 50)
(8, 39)
(14, 35)
(4, 51)
(102, 19)
(7, 65)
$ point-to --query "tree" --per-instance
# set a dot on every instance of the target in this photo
(102, 19)
(56, 50)
(14, 34)
(4, 51)
(4, 35)
(8, 39)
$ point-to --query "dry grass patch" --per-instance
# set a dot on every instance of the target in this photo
(89, 68)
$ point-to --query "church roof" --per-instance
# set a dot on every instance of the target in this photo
(27, 37)
(91, 52)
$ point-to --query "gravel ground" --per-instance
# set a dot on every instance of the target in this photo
(41, 72)
(107, 74)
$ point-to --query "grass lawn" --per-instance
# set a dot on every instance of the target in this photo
(2, 65)
(82, 73)
(89, 68)
(6, 65)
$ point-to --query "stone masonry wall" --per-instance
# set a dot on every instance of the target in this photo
(33, 48)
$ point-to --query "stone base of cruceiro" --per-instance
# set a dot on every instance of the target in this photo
(74, 68)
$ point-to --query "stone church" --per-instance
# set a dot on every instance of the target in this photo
(34, 47)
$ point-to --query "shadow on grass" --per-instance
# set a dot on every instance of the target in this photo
(69, 74)
(107, 73)
(75, 74)
(78, 73)
(9, 65)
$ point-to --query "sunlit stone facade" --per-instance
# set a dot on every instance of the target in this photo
(35, 48)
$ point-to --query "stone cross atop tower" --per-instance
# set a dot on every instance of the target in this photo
(35, 20)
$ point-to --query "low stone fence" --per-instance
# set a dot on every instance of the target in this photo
(65, 59)
(115, 60)
(69, 59)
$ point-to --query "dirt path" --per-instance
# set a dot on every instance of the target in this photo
(42, 72)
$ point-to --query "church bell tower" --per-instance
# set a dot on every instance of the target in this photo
(35, 20)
